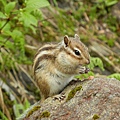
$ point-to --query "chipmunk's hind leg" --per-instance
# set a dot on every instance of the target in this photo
(44, 89)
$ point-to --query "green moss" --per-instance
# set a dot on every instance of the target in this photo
(95, 117)
(73, 92)
(32, 110)
(45, 114)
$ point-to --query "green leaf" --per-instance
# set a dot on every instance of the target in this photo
(6, 27)
(2, 116)
(9, 45)
(2, 15)
(9, 7)
(16, 34)
(3, 2)
(110, 2)
(95, 61)
(115, 75)
(38, 14)
(18, 108)
(28, 20)
(32, 5)
(26, 104)
(1, 40)
(84, 76)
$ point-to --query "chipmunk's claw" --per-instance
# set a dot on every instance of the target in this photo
(59, 97)
(84, 70)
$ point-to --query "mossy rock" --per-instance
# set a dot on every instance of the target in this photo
(73, 92)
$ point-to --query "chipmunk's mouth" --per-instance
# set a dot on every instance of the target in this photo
(83, 70)
(87, 70)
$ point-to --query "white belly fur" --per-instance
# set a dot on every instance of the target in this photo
(58, 83)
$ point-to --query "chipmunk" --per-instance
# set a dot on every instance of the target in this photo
(55, 65)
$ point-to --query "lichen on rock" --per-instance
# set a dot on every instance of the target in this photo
(72, 92)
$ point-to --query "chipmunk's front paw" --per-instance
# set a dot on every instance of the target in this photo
(83, 70)
(59, 97)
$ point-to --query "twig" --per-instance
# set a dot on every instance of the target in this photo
(4, 43)
(4, 25)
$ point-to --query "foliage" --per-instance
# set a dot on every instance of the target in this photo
(64, 22)
(99, 8)
(20, 108)
(110, 42)
(2, 116)
(108, 2)
(115, 75)
(94, 62)
(16, 21)
(98, 11)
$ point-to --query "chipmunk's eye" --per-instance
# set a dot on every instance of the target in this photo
(77, 52)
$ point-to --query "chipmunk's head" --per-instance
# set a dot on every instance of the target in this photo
(75, 52)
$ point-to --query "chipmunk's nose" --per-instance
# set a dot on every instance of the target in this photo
(88, 61)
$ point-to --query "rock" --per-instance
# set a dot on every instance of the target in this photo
(94, 99)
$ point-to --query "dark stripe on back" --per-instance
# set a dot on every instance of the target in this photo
(47, 48)
(43, 57)
(44, 49)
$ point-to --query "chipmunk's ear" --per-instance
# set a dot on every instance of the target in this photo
(66, 40)
(76, 36)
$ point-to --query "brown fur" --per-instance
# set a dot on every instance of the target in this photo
(44, 88)
(48, 62)
(44, 57)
